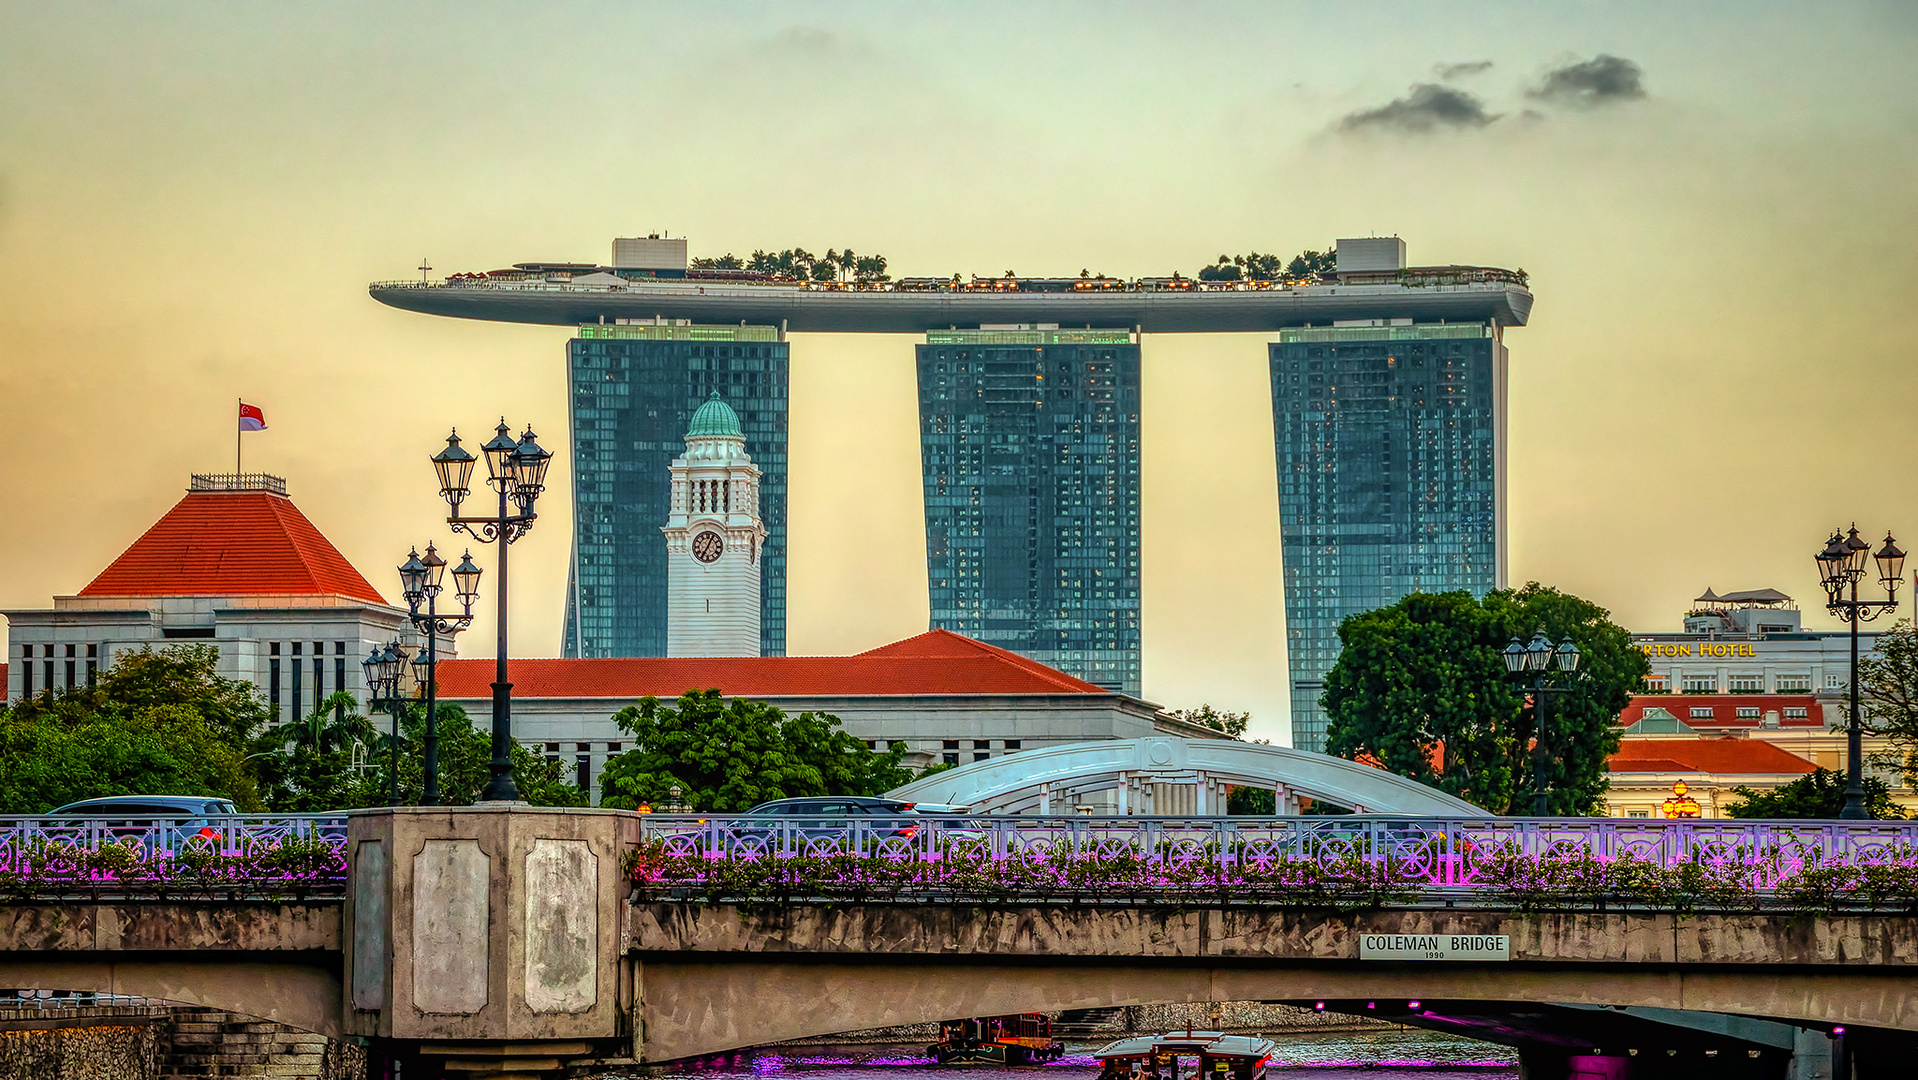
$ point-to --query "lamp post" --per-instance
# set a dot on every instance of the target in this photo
(517, 472)
(1840, 567)
(421, 579)
(1536, 661)
(383, 666)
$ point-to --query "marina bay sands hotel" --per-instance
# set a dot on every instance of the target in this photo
(1388, 418)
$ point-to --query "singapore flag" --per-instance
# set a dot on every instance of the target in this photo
(251, 418)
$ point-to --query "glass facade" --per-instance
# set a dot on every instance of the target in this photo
(1390, 444)
(634, 389)
(1029, 451)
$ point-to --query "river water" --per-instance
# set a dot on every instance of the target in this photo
(1358, 1055)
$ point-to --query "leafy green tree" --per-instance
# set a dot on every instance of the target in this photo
(337, 759)
(1819, 794)
(1888, 695)
(1421, 688)
(1231, 724)
(321, 762)
(733, 755)
(1581, 724)
(159, 722)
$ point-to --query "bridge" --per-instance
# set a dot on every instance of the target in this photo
(516, 942)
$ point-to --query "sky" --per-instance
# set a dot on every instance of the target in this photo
(1713, 200)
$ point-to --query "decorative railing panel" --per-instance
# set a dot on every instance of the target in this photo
(1374, 859)
(97, 856)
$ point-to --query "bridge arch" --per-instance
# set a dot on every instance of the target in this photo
(1160, 775)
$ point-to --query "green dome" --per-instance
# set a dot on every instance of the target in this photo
(714, 418)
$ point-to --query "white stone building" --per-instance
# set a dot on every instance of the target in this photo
(234, 565)
(714, 538)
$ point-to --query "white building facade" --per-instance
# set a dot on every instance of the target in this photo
(233, 565)
(714, 539)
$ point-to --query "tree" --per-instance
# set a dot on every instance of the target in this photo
(1232, 724)
(1421, 688)
(733, 755)
(338, 760)
(1819, 794)
(1888, 694)
(159, 722)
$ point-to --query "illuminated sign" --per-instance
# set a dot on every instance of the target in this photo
(1702, 648)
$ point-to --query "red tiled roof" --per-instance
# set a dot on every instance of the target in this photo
(1725, 709)
(1705, 756)
(232, 543)
(938, 662)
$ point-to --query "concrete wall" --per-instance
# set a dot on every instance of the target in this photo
(720, 978)
(277, 961)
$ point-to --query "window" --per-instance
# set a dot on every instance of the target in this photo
(1795, 712)
(1012, 744)
(1794, 683)
(982, 744)
(950, 759)
(1748, 712)
(26, 671)
(93, 664)
(273, 684)
(1701, 684)
(980, 756)
(1701, 712)
(294, 696)
(584, 767)
(612, 748)
(552, 748)
(1834, 682)
(950, 744)
(1657, 684)
(583, 747)
(1748, 684)
(1638, 813)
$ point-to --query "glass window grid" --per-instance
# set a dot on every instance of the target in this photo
(631, 401)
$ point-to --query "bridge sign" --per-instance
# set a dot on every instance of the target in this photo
(1435, 947)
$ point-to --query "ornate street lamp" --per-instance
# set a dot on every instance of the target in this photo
(1534, 662)
(1679, 804)
(383, 666)
(421, 580)
(516, 470)
(1841, 565)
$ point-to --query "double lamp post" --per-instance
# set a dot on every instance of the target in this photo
(516, 470)
(1840, 567)
(1533, 663)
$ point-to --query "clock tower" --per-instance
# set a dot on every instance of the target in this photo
(714, 540)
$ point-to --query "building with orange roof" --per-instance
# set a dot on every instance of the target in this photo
(233, 564)
(949, 698)
(1645, 768)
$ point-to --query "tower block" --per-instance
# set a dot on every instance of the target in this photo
(714, 541)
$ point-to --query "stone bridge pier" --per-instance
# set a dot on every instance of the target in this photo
(485, 942)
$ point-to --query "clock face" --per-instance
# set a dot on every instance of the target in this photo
(708, 546)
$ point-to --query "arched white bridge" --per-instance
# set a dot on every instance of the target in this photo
(1174, 776)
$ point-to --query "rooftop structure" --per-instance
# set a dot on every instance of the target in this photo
(949, 698)
(234, 565)
(1753, 611)
(650, 280)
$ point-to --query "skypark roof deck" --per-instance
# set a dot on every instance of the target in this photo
(1421, 294)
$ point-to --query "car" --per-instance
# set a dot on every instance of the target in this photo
(158, 805)
(817, 817)
(131, 817)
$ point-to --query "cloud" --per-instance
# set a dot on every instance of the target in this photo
(1427, 108)
(1602, 80)
(1449, 72)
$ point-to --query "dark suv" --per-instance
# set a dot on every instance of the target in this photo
(817, 817)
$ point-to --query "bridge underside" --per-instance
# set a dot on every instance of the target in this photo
(695, 1009)
(299, 995)
(712, 978)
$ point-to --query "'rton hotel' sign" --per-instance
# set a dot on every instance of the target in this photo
(1704, 648)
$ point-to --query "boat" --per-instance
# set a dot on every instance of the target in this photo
(1017, 1039)
(1186, 1055)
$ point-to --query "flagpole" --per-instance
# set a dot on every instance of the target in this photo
(239, 403)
